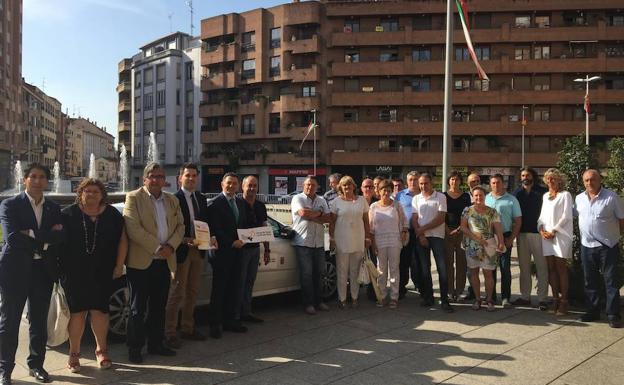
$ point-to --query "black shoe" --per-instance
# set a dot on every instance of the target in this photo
(469, 296)
(589, 317)
(40, 374)
(615, 322)
(195, 336)
(402, 294)
(216, 332)
(5, 380)
(161, 351)
(235, 328)
(446, 307)
(252, 318)
(426, 303)
(135, 356)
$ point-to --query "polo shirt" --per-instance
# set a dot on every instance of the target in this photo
(507, 206)
(307, 232)
(427, 208)
(405, 197)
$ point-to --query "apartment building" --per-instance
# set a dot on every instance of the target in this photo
(12, 133)
(51, 131)
(374, 72)
(159, 93)
(94, 140)
(73, 153)
(32, 109)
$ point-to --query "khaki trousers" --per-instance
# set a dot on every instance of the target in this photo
(530, 244)
(455, 263)
(183, 294)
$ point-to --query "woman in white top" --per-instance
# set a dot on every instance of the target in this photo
(349, 231)
(555, 227)
(389, 229)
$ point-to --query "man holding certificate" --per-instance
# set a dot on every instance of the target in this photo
(256, 217)
(190, 259)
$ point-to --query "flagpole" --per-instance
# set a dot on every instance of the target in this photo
(448, 80)
(314, 129)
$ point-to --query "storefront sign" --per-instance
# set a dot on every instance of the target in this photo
(297, 171)
(494, 170)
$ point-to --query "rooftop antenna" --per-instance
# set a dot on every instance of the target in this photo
(190, 5)
(170, 25)
(43, 84)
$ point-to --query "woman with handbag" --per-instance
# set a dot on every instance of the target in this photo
(93, 257)
(483, 242)
(389, 232)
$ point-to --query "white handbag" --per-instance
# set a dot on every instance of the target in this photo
(363, 277)
(58, 317)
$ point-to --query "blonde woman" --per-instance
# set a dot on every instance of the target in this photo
(389, 228)
(349, 231)
(555, 227)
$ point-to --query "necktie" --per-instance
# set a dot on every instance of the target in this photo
(195, 206)
(232, 203)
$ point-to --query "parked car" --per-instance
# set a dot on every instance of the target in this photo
(279, 276)
(286, 199)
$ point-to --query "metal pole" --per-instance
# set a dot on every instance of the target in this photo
(314, 129)
(448, 82)
(586, 112)
(523, 124)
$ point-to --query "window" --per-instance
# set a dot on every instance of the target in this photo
(352, 85)
(421, 54)
(541, 113)
(542, 21)
(615, 50)
(308, 91)
(350, 115)
(462, 53)
(148, 102)
(148, 76)
(462, 85)
(388, 145)
(461, 114)
(276, 37)
(391, 54)
(389, 25)
(541, 52)
(177, 97)
(351, 144)
(248, 126)
(248, 41)
(388, 115)
(523, 21)
(615, 82)
(188, 69)
(212, 124)
(483, 53)
(274, 70)
(352, 56)
(148, 126)
(160, 98)
(389, 84)
(541, 82)
(189, 97)
(422, 23)
(482, 20)
(482, 85)
(160, 125)
(523, 53)
(137, 80)
(178, 70)
(274, 123)
(160, 73)
(578, 50)
(352, 25)
(249, 69)
(421, 84)
(616, 20)
(137, 103)
(571, 19)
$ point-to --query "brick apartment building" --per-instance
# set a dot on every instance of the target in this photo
(374, 71)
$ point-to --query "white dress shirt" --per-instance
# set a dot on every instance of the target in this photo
(38, 209)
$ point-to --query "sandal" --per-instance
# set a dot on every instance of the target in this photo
(393, 304)
(74, 362)
(490, 306)
(563, 307)
(555, 307)
(102, 359)
(476, 305)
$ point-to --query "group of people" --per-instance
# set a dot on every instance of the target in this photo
(89, 244)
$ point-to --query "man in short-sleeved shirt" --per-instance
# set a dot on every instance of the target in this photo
(428, 214)
(601, 219)
(510, 213)
(409, 260)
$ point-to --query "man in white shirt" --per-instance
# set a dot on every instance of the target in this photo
(428, 214)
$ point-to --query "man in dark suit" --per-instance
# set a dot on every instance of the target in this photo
(187, 279)
(28, 269)
(226, 213)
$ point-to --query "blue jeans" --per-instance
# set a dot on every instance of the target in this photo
(504, 262)
(250, 257)
(311, 268)
(595, 260)
(439, 254)
(409, 263)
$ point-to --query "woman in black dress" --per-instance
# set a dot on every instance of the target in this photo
(93, 257)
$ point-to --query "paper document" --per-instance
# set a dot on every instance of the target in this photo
(256, 234)
(202, 235)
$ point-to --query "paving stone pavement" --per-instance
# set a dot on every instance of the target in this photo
(409, 345)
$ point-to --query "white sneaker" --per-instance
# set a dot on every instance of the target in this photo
(506, 304)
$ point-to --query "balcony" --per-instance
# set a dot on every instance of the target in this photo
(302, 13)
(220, 80)
(303, 75)
(123, 126)
(124, 87)
(124, 65)
(219, 26)
(221, 135)
(124, 106)
(218, 109)
(303, 46)
(223, 53)
(293, 103)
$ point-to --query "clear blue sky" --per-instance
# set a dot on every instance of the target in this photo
(74, 46)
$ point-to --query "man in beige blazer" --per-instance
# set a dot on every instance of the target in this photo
(155, 229)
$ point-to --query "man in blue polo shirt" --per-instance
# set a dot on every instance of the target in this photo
(408, 259)
(601, 220)
(509, 210)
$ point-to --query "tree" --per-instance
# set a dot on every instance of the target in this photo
(615, 176)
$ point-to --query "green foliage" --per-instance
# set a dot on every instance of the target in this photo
(615, 177)
(574, 158)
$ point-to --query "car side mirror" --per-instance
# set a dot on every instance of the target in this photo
(287, 233)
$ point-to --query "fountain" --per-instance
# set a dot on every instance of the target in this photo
(152, 150)
(92, 173)
(17, 176)
(57, 177)
(123, 169)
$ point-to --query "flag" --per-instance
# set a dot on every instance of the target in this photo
(311, 126)
(463, 13)
(586, 107)
(464, 8)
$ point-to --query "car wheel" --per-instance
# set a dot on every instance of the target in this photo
(329, 279)
(119, 309)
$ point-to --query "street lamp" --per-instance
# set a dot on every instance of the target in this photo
(587, 80)
(523, 126)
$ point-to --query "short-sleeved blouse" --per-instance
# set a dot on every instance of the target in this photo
(482, 224)
(349, 227)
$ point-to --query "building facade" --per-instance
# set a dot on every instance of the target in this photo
(94, 140)
(12, 132)
(32, 109)
(73, 153)
(51, 131)
(159, 94)
(374, 72)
